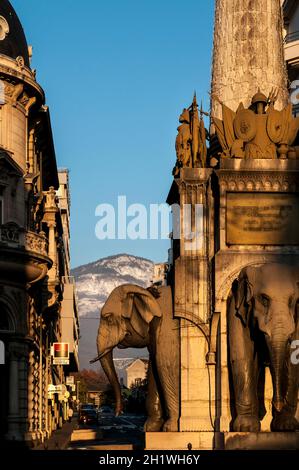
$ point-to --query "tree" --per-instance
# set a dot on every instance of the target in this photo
(89, 380)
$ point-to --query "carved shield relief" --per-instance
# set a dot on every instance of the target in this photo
(245, 125)
(275, 125)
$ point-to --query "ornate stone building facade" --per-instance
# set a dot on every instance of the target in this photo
(34, 249)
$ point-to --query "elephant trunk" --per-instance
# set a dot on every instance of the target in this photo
(277, 350)
(109, 369)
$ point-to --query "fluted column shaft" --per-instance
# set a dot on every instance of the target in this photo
(248, 52)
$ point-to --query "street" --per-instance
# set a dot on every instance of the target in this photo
(122, 431)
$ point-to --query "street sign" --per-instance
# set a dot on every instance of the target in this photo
(61, 388)
(61, 354)
(51, 389)
(70, 380)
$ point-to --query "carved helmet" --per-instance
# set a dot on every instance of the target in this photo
(259, 97)
(185, 116)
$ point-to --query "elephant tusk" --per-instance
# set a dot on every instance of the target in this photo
(94, 360)
(97, 358)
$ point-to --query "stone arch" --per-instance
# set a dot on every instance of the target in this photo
(225, 288)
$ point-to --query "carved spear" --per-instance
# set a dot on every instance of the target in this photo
(195, 131)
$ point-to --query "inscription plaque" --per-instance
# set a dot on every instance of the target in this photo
(262, 219)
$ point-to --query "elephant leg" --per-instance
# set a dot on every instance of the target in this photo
(244, 367)
(285, 420)
(168, 370)
(155, 419)
(166, 360)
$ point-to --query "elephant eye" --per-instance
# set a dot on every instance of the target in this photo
(109, 318)
(264, 300)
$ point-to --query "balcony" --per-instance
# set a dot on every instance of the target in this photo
(291, 37)
(23, 254)
(291, 47)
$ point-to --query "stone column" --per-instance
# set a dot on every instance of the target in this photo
(52, 250)
(192, 302)
(248, 52)
(31, 381)
(14, 433)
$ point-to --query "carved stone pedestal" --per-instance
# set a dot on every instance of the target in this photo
(258, 223)
(261, 441)
(180, 440)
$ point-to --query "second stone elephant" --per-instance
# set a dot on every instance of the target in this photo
(263, 323)
(135, 317)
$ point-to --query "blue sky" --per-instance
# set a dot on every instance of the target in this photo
(117, 74)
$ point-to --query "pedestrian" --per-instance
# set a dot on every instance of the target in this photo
(70, 413)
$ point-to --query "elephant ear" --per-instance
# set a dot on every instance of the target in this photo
(243, 294)
(140, 307)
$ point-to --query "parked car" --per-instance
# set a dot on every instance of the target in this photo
(105, 409)
(88, 416)
(88, 406)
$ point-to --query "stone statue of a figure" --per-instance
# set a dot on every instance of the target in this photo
(191, 148)
(183, 140)
(260, 131)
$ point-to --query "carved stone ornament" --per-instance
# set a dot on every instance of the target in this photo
(20, 61)
(245, 125)
(4, 28)
(258, 132)
(10, 233)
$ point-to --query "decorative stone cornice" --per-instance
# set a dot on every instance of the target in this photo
(16, 95)
(264, 180)
(12, 71)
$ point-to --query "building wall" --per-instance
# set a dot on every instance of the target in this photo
(135, 372)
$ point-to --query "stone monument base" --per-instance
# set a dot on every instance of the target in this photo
(261, 441)
(180, 440)
(221, 440)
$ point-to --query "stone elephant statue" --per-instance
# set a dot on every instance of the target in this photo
(262, 323)
(135, 317)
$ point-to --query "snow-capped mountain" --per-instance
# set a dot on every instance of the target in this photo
(94, 282)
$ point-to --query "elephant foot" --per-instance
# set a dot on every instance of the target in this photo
(284, 422)
(246, 423)
(171, 425)
(153, 425)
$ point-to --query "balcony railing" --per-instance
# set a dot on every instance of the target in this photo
(36, 242)
(14, 236)
(291, 37)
